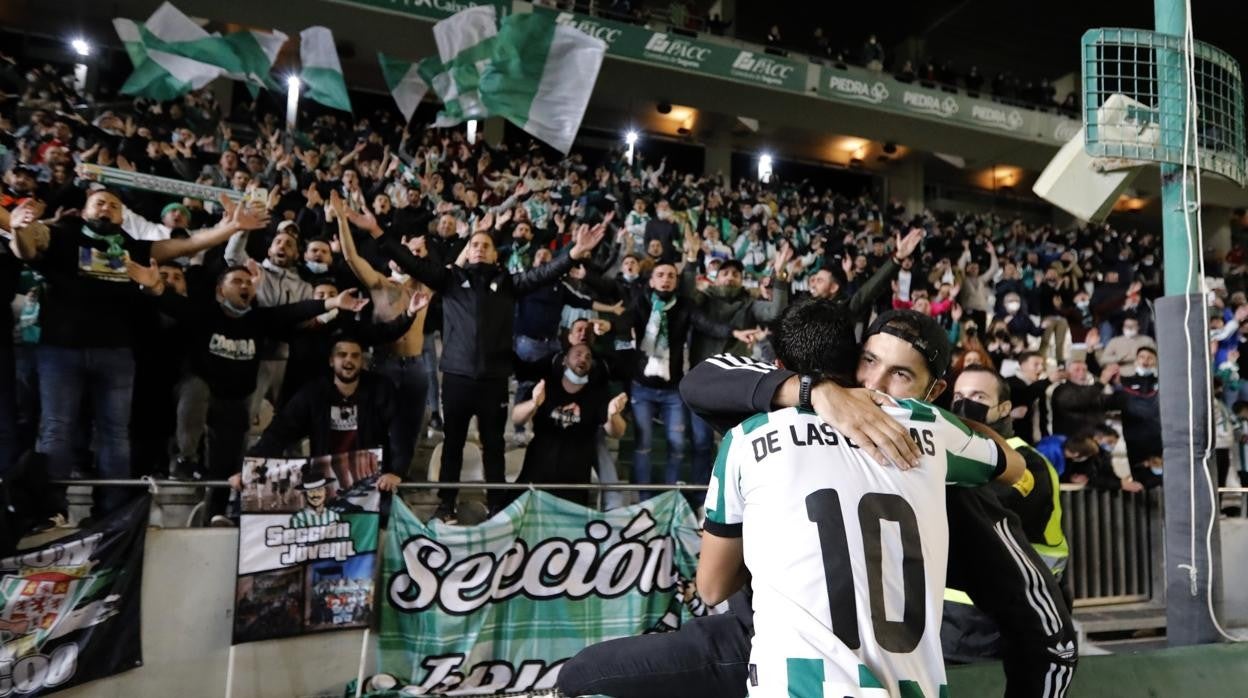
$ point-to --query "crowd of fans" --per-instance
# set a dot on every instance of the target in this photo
(376, 277)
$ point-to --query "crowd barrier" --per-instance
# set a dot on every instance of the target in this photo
(1115, 537)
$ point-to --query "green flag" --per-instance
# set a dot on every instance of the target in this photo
(322, 73)
(535, 73)
(403, 80)
(254, 54)
(171, 54)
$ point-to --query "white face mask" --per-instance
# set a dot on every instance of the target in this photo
(1013, 307)
(1129, 334)
(570, 376)
(1142, 371)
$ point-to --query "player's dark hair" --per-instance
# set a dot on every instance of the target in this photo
(1003, 387)
(816, 336)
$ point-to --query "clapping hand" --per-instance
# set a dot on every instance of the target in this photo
(146, 276)
(617, 404)
(419, 302)
(349, 300)
(539, 393)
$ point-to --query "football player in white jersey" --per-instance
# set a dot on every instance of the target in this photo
(847, 557)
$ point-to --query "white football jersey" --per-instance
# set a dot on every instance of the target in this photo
(847, 556)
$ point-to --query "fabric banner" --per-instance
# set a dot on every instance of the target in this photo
(431, 9)
(307, 545)
(694, 55)
(69, 610)
(499, 607)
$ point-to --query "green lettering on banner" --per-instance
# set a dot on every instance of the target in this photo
(672, 50)
(429, 9)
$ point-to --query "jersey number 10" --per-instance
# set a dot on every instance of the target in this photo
(823, 507)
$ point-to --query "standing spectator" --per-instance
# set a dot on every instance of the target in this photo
(661, 324)
(1123, 349)
(478, 314)
(1078, 404)
(873, 54)
(976, 286)
(1136, 396)
(223, 362)
(88, 321)
(567, 417)
(352, 411)
(1027, 392)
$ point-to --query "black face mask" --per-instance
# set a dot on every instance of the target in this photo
(975, 411)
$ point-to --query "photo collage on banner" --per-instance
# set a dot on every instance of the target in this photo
(307, 550)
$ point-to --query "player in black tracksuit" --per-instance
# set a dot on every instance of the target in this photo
(989, 556)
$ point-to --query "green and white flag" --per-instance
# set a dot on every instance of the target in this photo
(255, 53)
(500, 606)
(465, 42)
(173, 55)
(322, 73)
(168, 52)
(535, 73)
(404, 82)
(541, 76)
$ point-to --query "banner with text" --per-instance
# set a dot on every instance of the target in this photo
(69, 610)
(695, 55)
(499, 607)
(431, 9)
(307, 545)
(882, 91)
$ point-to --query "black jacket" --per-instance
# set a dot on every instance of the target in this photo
(307, 416)
(683, 315)
(478, 308)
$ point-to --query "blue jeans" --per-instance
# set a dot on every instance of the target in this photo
(703, 456)
(106, 377)
(647, 404)
(429, 356)
(409, 377)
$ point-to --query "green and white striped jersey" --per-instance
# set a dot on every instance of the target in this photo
(847, 556)
(307, 518)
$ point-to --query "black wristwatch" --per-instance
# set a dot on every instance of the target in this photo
(805, 383)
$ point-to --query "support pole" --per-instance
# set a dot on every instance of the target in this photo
(1182, 331)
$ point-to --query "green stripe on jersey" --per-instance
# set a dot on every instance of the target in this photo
(754, 422)
(919, 411)
(944, 691)
(805, 678)
(717, 474)
(910, 689)
(866, 679)
(967, 471)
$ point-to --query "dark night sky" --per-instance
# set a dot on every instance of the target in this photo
(1033, 39)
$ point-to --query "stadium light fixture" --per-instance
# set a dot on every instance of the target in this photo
(631, 139)
(81, 46)
(764, 168)
(472, 132)
(292, 101)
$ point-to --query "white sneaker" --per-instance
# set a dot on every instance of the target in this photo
(221, 521)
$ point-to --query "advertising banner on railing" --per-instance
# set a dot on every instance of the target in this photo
(431, 9)
(307, 545)
(696, 55)
(69, 610)
(499, 607)
(881, 90)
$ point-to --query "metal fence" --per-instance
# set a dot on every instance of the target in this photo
(1115, 539)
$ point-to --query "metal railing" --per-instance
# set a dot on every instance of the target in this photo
(1115, 539)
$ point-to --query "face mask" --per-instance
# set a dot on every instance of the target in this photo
(1148, 262)
(664, 214)
(570, 376)
(665, 295)
(1142, 371)
(1082, 305)
(1106, 448)
(1156, 471)
(316, 267)
(236, 310)
(1013, 307)
(628, 277)
(1130, 334)
(976, 411)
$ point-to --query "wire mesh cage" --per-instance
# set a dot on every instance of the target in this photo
(1134, 93)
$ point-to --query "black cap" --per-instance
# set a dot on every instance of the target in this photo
(919, 331)
(732, 264)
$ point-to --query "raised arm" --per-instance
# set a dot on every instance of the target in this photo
(585, 239)
(363, 271)
(238, 217)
